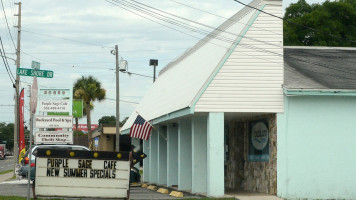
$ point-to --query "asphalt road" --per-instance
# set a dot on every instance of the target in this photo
(7, 164)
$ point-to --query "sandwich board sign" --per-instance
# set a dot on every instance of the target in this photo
(82, 174)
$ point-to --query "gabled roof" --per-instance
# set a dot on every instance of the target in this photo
(320, 68)
(179, 83)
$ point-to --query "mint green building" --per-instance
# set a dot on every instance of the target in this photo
(316, 132)
(241, 112)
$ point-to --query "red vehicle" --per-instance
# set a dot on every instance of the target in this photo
(2, 151)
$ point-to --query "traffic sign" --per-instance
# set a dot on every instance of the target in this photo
(35, 65)
(34, 72)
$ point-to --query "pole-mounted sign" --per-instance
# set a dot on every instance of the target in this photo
(34, 72)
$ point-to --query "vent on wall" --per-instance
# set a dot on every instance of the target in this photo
(108, 137)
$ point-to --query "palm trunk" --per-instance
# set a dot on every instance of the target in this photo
(76, 123)
(87, 107)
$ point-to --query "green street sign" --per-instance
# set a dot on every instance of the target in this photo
(77, 108)
(35, 65)
(33, 72)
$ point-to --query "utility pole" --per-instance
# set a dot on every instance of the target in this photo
(17, 85)
(117, 99)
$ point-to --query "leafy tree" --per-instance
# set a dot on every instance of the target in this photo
(111, 120)
(89, 89)
(7, 134)
(331, 24)
(107, 120)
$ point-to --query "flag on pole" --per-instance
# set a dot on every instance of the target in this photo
(22, 149)
(140, 129)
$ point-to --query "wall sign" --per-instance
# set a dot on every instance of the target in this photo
(64, 173)
(258, 150)
(54, 105)
(53, 137)
(54, 122)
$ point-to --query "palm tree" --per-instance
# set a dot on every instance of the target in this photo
(89, 89)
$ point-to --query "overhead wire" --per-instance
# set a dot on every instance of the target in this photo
(246, 45)
(226, 18)
(3, 56)
(3, 9)
(62, 38)
(306, 27)
(205, 25)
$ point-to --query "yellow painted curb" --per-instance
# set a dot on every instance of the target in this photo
(144, 185)
(152, 187)
(163, 190)
(176, 194)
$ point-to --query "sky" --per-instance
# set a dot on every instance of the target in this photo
(75, 38)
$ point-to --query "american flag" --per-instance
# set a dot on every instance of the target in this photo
(140, 129)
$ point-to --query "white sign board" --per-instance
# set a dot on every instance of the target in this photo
(54, 105)
(54, 122)
(53, 137)
(67, 177)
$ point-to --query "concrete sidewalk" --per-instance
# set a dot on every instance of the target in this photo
(5, 177)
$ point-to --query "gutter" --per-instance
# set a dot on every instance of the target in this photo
(318, 92)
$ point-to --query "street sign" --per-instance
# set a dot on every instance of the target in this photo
(34, 72)
(35, 65)
(54, 122)
(96, 141)
(54, 105)
(53, 137)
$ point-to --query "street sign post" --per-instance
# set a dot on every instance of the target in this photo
(34, 72)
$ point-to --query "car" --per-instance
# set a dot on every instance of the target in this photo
(26, 160)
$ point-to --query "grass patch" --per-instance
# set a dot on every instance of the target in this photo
(7, 171)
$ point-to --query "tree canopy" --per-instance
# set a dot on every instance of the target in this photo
(326, 24)
(7, 134)
(111, 120)
(89, 89)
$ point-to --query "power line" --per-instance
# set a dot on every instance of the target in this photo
(62, 38)
(123, 101)
(140, 50)
(246, 45)
(307, 27)
(2, 4)
(12, 79)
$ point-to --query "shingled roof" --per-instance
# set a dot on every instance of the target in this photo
(320, 68)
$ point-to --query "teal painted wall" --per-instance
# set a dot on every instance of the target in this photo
(316, 144)
(184, 154)
(153, 156)
(172, 154)
(162, 156)
(146, 161)
(215, 155)
(199, 169)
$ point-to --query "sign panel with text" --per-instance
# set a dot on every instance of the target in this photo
(54, 122)
(53, 137)
(54, 105)
(34, 72)
(63, 173)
